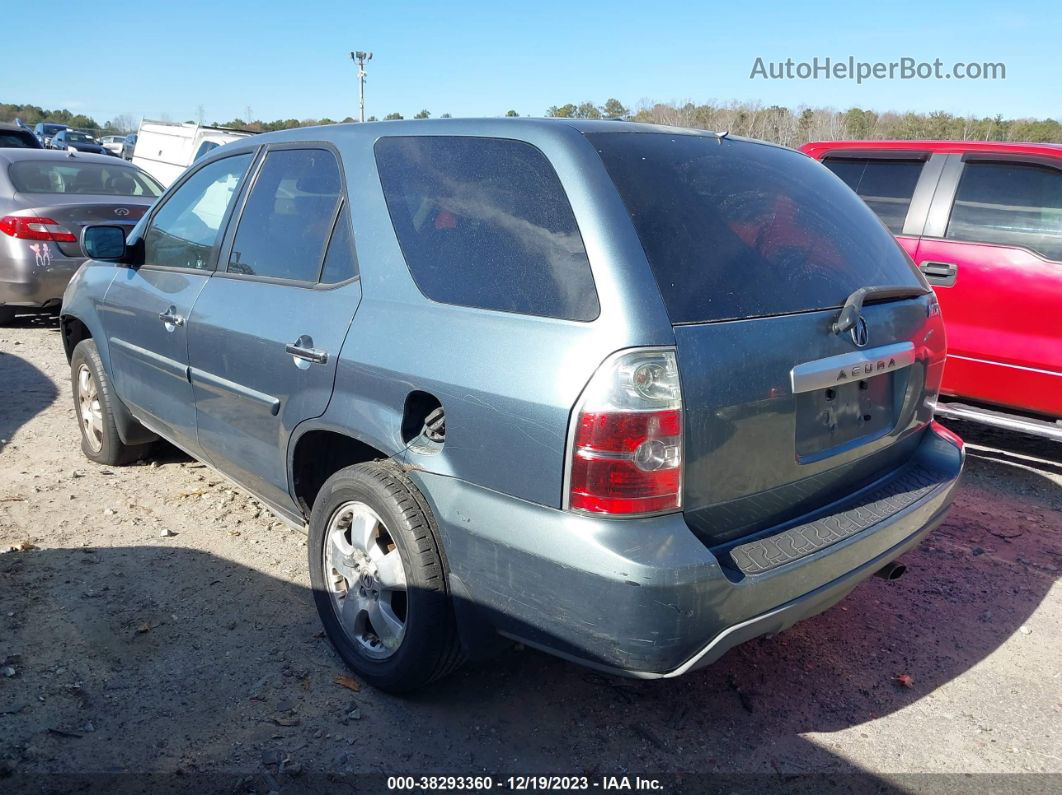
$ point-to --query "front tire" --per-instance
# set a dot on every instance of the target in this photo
(378, 578)
(94, 405)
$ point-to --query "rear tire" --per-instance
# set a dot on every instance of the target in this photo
(390, 618)
(93, 404)
(7, 314)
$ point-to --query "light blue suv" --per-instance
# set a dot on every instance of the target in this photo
(628, 394)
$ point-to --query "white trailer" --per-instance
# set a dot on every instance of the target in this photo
(165, 149)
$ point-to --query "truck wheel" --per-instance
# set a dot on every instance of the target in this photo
(378, 578)
(93, 400)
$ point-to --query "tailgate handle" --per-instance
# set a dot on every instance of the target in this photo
(942, 274)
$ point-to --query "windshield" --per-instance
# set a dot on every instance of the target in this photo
(43, 176)
(79, 138)
(50, 129)
(737, 229)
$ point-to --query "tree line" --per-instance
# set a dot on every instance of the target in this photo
(786, 126)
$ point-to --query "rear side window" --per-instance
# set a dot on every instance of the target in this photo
(288, 216)
(1012, 204)
(484, 222)
(735, 229)
(885, 185)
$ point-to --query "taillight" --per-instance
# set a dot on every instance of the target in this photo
(29, 227)
(626, 454)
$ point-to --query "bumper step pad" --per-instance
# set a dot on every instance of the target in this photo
(876, 505)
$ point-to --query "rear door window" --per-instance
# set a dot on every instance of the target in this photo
(735, 229)
(485, 222)
(288, 216)
(340, 264)
(1011, 204)
(885, 185)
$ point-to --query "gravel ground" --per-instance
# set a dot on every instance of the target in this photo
(152, 618)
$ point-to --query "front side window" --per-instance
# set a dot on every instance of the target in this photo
(70, 176)
(485, 222)
(288, 216)
(185, 229)
(1011, 204)
(885, 185)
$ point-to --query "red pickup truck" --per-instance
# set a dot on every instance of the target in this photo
(983, 221)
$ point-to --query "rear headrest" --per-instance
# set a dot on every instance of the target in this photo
(321, 181)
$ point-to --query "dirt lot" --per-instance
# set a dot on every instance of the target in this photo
(153, 618)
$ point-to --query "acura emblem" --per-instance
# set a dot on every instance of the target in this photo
(122, 211)
(860, 333)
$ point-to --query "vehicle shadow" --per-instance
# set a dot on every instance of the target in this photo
(165, 658)
(18, 376)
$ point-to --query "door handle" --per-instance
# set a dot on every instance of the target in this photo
(302, 349)
(171, 317)
(942, 274)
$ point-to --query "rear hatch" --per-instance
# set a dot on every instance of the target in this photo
(756, 249)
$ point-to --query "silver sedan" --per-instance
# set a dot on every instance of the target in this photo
(46, 199)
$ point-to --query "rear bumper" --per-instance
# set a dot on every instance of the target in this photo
(34, 274)
(645, 597)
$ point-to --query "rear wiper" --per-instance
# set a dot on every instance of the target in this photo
(854, 305)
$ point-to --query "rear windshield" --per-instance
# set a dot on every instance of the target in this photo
(51, 176)
(79, 137)
(736, 229)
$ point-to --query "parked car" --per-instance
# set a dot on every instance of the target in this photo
(81, 141)
(46, 198)
(13, 136)
(984, 223)
(128, 146)
(45, 130)
(166, 149)
(113, 143)
(628, 394)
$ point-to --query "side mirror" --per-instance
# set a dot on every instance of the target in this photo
(105, 243)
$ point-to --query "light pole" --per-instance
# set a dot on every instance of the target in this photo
(360, 57)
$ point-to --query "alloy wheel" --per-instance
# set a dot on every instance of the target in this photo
(366, 579)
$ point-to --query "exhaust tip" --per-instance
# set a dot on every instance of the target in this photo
(891, 571)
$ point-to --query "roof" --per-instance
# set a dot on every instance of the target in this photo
(491, 126)
(12, 155)
(820, 148)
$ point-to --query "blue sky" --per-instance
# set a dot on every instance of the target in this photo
(291, 59)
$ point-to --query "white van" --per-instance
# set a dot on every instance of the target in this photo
(165, 149)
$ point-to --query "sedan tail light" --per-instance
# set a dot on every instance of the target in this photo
(29, 227)
(626, 445)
